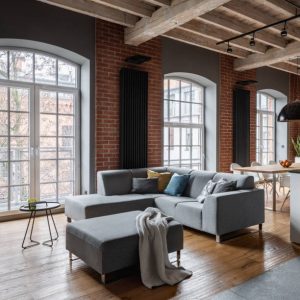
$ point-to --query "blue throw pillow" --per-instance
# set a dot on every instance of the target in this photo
(177, 185)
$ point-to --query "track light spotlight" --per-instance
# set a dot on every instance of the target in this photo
(284, 32)
(229, 49)
(252, 41)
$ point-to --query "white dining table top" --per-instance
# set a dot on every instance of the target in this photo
(274, 169)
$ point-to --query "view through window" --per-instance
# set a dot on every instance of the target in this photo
(265, 128)
(183, 123)
(38, 137)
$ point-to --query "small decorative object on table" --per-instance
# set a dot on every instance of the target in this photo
(285, 163)
(33, 207)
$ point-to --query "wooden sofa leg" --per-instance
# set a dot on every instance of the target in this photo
(178, 258)
(260, 227)
(69, 220)
(103, 278)
(218, 238)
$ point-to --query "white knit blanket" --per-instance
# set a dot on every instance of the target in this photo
(156, 268)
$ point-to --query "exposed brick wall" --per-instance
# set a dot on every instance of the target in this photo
(228, 79)
(294, 126)
(110, 55)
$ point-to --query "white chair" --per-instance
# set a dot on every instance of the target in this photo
(233, 166)
(284, 182)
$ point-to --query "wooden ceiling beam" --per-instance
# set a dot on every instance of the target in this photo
(95, 10)
(167, 18)
(182, 35)
(129, 6)
(245, 9)
(271, 57)
(237, 27)
(210, 31)
(163, 3)
(283, 66)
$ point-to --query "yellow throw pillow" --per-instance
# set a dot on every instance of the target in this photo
(163, 179)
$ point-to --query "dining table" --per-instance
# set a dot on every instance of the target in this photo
(273, 169)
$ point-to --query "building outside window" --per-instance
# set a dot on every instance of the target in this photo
(39, 138)
(183, 123)
(265, 128)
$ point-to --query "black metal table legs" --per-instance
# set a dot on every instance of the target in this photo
(48, 243)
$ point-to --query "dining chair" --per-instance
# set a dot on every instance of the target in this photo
(233, 166)
(284, 182)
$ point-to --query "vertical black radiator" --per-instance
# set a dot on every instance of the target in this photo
(133, 119)
(241, 127)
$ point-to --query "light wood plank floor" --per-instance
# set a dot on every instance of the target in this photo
(44, 273)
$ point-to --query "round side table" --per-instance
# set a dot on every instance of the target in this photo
(33, 209)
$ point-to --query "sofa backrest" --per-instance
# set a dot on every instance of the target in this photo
(244, 182)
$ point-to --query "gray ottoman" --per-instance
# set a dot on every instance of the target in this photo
(110, 243)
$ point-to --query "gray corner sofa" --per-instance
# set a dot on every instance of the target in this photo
(220, 214)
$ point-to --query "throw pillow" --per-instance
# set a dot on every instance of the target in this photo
(177, 185)
(163, 179)
(144, 186)
(223, 186)
(207, 190)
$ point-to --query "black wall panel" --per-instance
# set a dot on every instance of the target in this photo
(241, 127)
(134, 118)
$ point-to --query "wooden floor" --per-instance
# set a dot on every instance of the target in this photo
(44, 273)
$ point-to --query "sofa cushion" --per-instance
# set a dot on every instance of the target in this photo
(95, 205)
(244, 182)
(177, 185)
(114, 182)
(189, 214)
(167, 204)
(223, 186)
(163, 179)
(197, 181)
(145, 185)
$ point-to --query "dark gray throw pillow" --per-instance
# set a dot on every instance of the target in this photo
(145, 186)
(207, 190)
(223, 186)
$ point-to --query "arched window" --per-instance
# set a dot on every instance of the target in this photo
(265, 128)
(183, 123)
(39, 136)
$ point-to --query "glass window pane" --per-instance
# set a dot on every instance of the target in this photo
(174, 89)
(166, 153)
(65, 189)
(19, 173)
(47, 125)
(166, 89)
(196, 136)
(186, 138)
(45, 69)
(197, 93)
(166, 111)
(18, 194)
(3, 64)
(47, 102)
(197, 114)
(186, 152)
(65, 125)
(66, 147)
(196, 152)
(166, 136)
(19, 148)
(185, 91)
(263, 102)
(66, 74)
(185, 112)
(48, 191)
(3, 148)
(48, 148)
(19, 99)
(3, 198)
(175, 153)
(3, 98)
(65, 170)
(21, 65)
(270, 104)
(19, 124)
(65, 103)
(47, 171)
(174, 111)
(3, 123)
(3, 173)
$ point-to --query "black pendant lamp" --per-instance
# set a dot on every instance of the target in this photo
(291, 111)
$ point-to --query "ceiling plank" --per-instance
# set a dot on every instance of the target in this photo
(272, 56)
(217, 34)
(95, 10)
(129, 6)
(181, 35)
(244, 9)
(167, 18)
(237, 27)
(163, 3)
(283, 66)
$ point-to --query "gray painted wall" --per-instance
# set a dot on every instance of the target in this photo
(30, 20)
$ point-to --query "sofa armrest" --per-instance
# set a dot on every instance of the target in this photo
(226, 212)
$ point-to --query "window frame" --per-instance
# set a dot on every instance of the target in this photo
(34, 88)
(168, 125)
(259, 114)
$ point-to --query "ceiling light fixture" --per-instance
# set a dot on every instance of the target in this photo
(229, 49)
(284, 32)
(252, 41)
